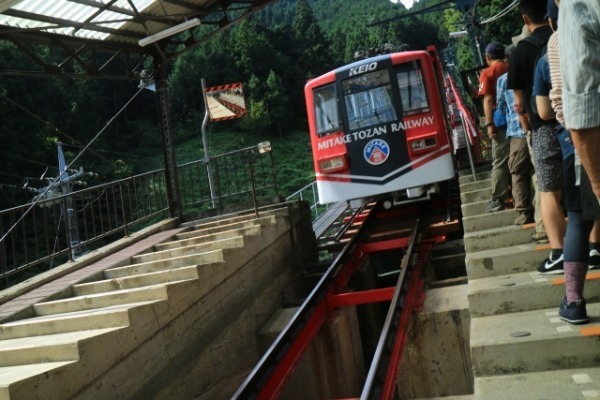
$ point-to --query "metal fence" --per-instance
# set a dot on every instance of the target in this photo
(36, 236)
(310, 194)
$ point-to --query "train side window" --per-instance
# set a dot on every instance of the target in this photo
(327, 114)
(368, 99)
(412, 88)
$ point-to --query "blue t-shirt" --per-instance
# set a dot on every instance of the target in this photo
(541, 87)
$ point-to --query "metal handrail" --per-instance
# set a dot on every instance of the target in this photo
(36, 237)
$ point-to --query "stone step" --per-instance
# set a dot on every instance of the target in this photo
(473, 196)
(136, 281)
(49, 348)
(498, 237)
(533, 341)
(563, 384)
(108, 317)
(476, 185)
(16, 381)
(101, 300)
(523, 292)
(505, 260)
(479, 175)
(210, 257)
(491, 220)
(237, 241)
(235, 223)
(202, 238)
(476, 208)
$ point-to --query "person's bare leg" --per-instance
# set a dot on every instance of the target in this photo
(553, 217)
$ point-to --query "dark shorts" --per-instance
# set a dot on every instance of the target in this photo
(589, 202)
(547, 158)
(571, 192)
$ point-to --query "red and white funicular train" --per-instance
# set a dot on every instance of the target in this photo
(378, 129)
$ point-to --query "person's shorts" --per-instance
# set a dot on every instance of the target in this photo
(571, 192)
(589, 202)
(547, 158)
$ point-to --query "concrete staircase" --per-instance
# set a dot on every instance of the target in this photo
(520, 348)
(174, 322)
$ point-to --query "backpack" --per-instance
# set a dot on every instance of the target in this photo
(542, 48)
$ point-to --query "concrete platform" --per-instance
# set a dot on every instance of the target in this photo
(532, 341)
(505, 260)
(500, 236)
(522, 292)
(571, 384)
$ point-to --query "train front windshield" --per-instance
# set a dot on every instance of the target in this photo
(369, 99)
(412, 88)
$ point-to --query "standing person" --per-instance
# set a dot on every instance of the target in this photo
(568, 156)
(495, 59)
(521, 79)
(548, 158)
(580, 69)
(579, 52)
(519, 160)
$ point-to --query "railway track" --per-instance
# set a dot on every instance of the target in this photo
(389, 248)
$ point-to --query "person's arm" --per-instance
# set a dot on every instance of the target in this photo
(520, 109)
(555, 78)
(488, 111)
(544, 107)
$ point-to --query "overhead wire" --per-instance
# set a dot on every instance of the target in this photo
(49, 124)
(55, 180)
(502, 13)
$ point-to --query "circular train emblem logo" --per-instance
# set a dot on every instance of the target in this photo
(376, 151)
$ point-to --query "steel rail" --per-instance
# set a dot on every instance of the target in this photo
(267, 379)
(381, 378)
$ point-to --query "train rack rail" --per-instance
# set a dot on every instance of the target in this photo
(372, 229)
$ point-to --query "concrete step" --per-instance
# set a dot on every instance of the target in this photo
(101, 300)
(210, 257)
(467, 177)
(491, 220)
(49, 348)
(136, 281)
(202, 238)
(237, 241)
(476, 208)
(523, 292)
(108, 317)
(234, 223)
(533, 341)
(473, 196)
(505, 260)
(498, 237)
(16, 381)
(564, 384)
(476, 185)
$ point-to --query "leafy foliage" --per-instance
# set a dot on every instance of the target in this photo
(273, 53)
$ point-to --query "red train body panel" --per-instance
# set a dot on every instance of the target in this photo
(378, 126)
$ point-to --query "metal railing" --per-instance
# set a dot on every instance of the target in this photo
(34, 237)
(310, 194)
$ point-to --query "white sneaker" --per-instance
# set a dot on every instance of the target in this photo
(594, 262)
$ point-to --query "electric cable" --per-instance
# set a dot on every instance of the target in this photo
(55, 180)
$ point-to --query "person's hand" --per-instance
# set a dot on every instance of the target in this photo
(491, 132)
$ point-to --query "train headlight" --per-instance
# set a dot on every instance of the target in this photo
(422, 144)
(333, 164)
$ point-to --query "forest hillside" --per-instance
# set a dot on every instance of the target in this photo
(273, 54)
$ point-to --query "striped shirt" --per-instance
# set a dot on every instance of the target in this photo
(579, 41)
(555, 78)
